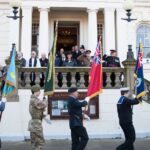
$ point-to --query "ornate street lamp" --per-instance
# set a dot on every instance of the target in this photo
(128, 5)
(15, 4)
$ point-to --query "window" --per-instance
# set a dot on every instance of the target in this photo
(100, 31)
(35, 36)
(143, 34)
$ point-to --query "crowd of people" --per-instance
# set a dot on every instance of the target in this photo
(76, 57)
(82, 57)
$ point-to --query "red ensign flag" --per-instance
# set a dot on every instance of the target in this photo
(95, 77)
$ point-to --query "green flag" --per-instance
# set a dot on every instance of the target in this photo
(50, 74)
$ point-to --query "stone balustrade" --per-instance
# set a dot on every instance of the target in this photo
(65, 77)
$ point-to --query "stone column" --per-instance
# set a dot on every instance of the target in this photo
(26, 41)
(44, 31)
(14, 31)
(109, 33)
(92, 29)
(121, 33)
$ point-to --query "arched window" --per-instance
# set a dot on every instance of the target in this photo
(143, 34)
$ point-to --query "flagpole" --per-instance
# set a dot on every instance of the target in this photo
(99, 41)
(49, 86)
(1, 115)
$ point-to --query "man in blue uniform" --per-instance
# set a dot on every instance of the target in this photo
(78, 131)
(124, 108)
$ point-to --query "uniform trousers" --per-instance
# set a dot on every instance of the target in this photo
(0, 143)
(37, 140)
(79, 138)
(129, 133)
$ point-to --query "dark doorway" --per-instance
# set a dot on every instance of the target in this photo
(68, 35)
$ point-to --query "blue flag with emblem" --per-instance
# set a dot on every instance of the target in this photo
(10, 82)
(139, 77)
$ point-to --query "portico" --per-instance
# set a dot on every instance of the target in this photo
(92, 22)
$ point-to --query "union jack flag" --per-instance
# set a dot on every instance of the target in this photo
(97, 55)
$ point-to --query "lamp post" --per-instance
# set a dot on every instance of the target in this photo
(128, 5)
(15, 4)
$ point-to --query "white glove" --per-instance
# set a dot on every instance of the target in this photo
(47, 120)
(4, 99)
(133, 95)
(87, 99)
(86, 117)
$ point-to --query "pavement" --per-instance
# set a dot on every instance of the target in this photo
(97, 144)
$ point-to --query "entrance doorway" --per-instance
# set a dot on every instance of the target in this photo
(68, 35)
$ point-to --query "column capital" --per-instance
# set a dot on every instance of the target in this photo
(108, 9)
(27, 8)
(44, 9)
(89, 10)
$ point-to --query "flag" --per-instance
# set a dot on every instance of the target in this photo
(95, 77)
(50, 74)
(138, 74)
(10, 81)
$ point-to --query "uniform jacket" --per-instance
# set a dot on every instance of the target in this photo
(44, 63)
(2, 106)
(113, 61)
(76, 54)
(83, 60)
(75, 111)
(22, 62)
(124, 108)
(70, 63)
(33, 62)
(36, 109)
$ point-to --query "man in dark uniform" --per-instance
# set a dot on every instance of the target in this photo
(124, 108)
(78, 131)
(113, 60)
